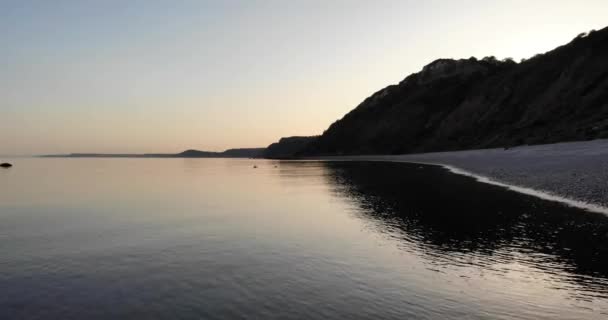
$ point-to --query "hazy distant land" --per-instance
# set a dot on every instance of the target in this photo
(230, 153)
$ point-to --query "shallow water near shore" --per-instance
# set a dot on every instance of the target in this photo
(217, 239)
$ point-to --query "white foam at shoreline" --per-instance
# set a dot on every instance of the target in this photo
(484, 179)
(528, 191)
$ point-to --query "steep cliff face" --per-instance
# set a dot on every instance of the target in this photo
(459, 104)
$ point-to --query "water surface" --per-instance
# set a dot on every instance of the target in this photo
(217, 239)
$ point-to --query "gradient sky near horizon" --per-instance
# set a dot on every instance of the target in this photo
(164, 76)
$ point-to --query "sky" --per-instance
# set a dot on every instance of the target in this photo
(165, 76)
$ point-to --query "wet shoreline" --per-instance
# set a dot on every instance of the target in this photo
(573, 173)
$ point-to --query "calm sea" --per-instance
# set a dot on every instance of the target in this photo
(218, 239)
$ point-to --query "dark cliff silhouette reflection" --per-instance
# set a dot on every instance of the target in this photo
(455, 220)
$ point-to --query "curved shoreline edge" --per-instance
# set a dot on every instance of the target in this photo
(541, 194)
(529, 191)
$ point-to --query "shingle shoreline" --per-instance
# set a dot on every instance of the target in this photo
(576, 171)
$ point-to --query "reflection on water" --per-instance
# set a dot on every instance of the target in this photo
(453, 221)
(217, 239)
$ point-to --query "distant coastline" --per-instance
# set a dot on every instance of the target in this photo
(230, 153)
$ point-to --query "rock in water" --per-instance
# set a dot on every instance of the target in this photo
(5, 165)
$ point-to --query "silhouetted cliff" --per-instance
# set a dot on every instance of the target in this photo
(230, 153)
(243, 153)
(287, 147)
(463, 104)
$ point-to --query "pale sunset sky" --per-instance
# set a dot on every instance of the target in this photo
(164, 76)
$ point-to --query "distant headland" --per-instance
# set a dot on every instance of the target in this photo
(230, 153)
